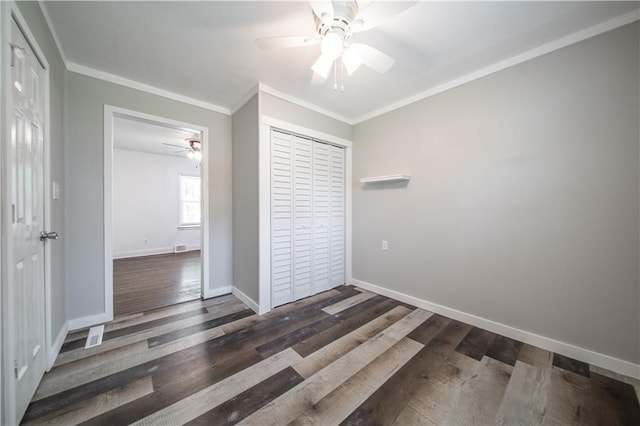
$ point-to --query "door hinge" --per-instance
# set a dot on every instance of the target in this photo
(13, 213)
(15, 368)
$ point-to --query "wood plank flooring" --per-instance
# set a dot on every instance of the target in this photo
(343, 357)
(149, 282)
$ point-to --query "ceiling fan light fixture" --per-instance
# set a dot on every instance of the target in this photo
(352, 59)
(332, 46)
(194, 155)
(322, 66)
(326, 18)
(357, 25)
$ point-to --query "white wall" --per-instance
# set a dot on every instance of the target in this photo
(146, 202)
(523, 203)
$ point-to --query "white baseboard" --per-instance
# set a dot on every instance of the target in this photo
(585, 355)
(88, 321)
(140, 253)
(150, 252)
(246, 299)
(54, 350)
(215, 292)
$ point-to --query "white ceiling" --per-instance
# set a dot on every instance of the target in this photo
(207, 51)
(142, 136)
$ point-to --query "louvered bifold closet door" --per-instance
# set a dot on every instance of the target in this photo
(337, 215)
(302, 217)
(281, 218)
(307, 217)
(321, 217)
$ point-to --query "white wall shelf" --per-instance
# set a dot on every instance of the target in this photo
(388, 178)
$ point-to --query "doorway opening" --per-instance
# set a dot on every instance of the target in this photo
(156, 200)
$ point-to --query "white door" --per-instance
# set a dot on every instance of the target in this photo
(321, 217)
(25, 327)
(307, 217)
(281, 219)
(302, 217)
(338, 205)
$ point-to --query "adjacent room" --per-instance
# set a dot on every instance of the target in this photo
(156, 216)
(330, 212)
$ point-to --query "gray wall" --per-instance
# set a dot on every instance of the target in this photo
(524, 202)
(245, 131)
(275, 107)
(86, 98)
(33, 15)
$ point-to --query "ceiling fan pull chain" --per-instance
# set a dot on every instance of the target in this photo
(341, 76)
(335, 77)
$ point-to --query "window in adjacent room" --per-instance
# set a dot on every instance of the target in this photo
(189, 200)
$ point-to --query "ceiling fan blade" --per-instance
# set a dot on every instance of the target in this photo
(317, 79)
(373, 58)
(178, 152)
(323, 65)
(173, 144)
(283, 42)
(374, 13)
(323, 10)
(364, 3)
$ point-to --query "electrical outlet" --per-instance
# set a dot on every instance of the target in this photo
(145, 241)
(385, 245)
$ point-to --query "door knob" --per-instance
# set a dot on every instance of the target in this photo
(44, 235)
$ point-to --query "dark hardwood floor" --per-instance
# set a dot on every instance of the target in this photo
(344, 356)
(149, 282)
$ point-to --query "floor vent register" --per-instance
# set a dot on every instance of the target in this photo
(95, 336)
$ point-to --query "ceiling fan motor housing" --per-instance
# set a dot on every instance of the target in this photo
(344, 15)
(194, 144)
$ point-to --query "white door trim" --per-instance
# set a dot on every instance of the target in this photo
(3, 139)
(264, 202)
(109, 113)
(8, 11)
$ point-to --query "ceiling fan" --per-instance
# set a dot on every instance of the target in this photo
(193, 150)
(336, 23)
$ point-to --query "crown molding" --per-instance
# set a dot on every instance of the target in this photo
(52, 30)
(246, 98)
(267, 89)
(565, 41)
(557, 44)
(132, 84)
(122, 81)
